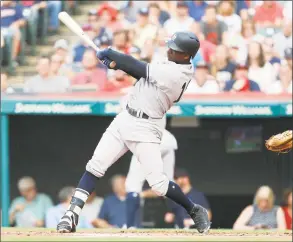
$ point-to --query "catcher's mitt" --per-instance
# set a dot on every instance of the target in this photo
(281, 143)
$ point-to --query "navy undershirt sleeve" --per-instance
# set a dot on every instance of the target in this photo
(128, 64)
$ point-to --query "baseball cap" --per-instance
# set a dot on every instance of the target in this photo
(288, 53)
(242, 66)
(105, 40)
(26, 183)
(143, 11)
(61, 44)
(180, 172)
(202, 64)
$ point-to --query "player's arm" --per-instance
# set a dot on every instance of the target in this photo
(126, 63)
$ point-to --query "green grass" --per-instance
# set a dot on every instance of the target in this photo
(17, 234)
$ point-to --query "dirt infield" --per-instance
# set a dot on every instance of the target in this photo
(14, 234)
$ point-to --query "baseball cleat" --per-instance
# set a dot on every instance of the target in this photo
(67, 223)
(200, 217)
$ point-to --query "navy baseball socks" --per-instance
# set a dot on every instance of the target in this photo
(132, 208)
(85, 187)
(196, 212)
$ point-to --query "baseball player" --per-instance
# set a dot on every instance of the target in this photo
(139, 126)
(135, 178)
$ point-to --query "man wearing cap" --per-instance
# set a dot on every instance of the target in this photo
(177, 214)
(241, 83)
(30, 208)
(142, 29)
(181, 22)
(139, 126)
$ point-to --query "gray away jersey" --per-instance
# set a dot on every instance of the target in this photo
(165, 83)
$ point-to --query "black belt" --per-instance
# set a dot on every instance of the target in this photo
(137, 114)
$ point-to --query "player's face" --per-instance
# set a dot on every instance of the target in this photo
(177, 56)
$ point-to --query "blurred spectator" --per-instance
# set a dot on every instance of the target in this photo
(11, 21)
(241, 83)
(202, 83)
(113, 213)
(179, 22)
(100, 32)
(120, 41)
(29, 210)
(2, 41)
(160, 51)
(248, 31)
(178, 214)
(119, 81)
(156, 15)
(259, 70)
(229, 17)
(142, 29)
(283, 39)
(212, 28)
(54, 214)
(197, 9)
(44, 82)
(92, 208)
(288, 56)
(61, 48)
(91, 75)
(268, 15)
(263, 214)
(54, 8)
(242, 8)
(284, 84)
(222, 68)
(56, 62)
(287, 208)
(108, 17)
(132, 8)
(269, 54)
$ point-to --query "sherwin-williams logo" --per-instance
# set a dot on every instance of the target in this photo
(235, 110)
(53, 108)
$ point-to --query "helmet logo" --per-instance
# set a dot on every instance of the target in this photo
(174, 37)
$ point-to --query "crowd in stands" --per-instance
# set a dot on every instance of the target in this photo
(245, 45)
(35, 209)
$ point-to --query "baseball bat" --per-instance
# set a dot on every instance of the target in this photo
(75, 28)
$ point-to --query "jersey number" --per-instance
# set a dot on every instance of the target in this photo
(184, 87)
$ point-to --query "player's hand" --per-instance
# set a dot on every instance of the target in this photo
(102, 55)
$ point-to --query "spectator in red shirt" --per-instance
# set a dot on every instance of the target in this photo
(269, 14)
(108, 17)
(91, 75)
(287, 209)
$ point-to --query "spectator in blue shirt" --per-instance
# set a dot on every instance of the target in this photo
(197, 9)
(241, 83)
(11, 21)
(30, 208)
(113, 210)
(177, 213)
(55, 213)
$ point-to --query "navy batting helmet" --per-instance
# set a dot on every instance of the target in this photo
(185, 42)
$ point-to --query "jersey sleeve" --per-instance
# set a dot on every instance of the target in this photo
(162, 74)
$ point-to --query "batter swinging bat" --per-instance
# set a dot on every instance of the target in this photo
(75, 28)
